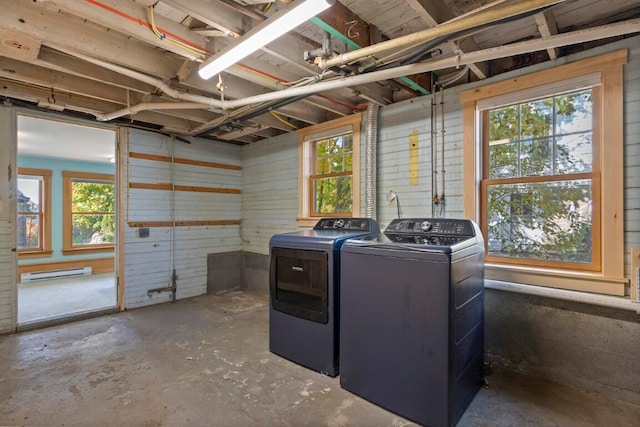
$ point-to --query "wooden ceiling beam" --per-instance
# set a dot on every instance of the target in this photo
(434, 12)
(227, 20)
(132, 19)
(547, 27)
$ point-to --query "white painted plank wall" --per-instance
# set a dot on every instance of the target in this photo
(269, 191)
(8, 259)
(271, 166)
(397, 124)
(148, 261)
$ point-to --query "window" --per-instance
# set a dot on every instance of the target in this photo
(34, 213)
(543, 175)
(89, 214)
(537, 184)
(329, 181)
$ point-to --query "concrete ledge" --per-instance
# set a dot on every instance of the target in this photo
(583, 345)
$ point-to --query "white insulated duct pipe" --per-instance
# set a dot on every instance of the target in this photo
(605, 31)
(145, 106)
(443, 29)
(612, 30)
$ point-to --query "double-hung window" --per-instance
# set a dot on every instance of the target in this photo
(539, 186)
(329, 178)
(89, 212)
(34, 213)
(543, 175)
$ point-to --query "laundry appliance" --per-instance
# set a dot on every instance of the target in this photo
(412, 318)
(304, 282)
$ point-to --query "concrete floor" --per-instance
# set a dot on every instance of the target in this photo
(205, 361)
(54, 298)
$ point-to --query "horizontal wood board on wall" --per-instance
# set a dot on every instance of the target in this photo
(205, 210)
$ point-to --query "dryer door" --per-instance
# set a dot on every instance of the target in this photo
(299, 283)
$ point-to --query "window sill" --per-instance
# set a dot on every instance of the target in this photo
(307, 222)
(38, 254)
(616, 302)
(86, 250)
(567, 280)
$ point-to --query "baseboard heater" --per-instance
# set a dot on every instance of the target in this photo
(55, 274)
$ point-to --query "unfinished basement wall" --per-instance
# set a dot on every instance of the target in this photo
(206, 209)
(269, 202)
(578, 344)
(8, 254)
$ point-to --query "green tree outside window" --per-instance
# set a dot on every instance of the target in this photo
(92, 211)
(332, 183)
(539, 183)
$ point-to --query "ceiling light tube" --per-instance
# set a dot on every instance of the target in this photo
(274, 27)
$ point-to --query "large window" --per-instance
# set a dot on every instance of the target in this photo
(89, 212)
(538, 181)
(329, 170)
(34, 212)
(543, 175)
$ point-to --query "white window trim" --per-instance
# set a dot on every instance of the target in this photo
(610, 279)
(306, 136)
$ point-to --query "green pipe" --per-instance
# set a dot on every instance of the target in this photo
(353, 45)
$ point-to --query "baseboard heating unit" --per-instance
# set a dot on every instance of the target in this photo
(55, 274)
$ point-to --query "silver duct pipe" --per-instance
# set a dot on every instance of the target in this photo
(370, 163)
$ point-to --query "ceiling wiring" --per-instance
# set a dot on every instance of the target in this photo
(199, 50)
(49, 91)
(163, 36)
(277, 116)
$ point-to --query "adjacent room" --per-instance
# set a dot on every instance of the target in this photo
(320, 212)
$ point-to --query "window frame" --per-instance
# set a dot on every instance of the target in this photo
(594, 176)
(68, 247)
(607, 277)
(306, 166)
(44, 249)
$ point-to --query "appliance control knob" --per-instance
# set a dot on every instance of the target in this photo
(426, 226)
(339, 223)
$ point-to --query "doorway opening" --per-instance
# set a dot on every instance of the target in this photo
(66, 220)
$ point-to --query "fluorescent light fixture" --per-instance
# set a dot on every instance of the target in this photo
(277, 25)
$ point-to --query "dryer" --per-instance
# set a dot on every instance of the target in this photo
(304, 282)
(412, 318)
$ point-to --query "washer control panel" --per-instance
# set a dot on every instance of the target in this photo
(430, 231)
(346, 224)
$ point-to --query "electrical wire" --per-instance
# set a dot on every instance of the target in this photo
(163, 36)
(428, 46)
(277, 116)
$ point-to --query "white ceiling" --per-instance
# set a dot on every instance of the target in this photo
(55, 139)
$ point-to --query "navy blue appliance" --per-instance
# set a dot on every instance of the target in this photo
(304, 276)
(412, 318)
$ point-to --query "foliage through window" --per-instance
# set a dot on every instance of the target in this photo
(33, 230)
(332, 183)
(89, 210)
(539, 179)
(329, 170)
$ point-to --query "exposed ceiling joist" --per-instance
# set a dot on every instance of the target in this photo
(437, 12)
(547, 26)
(83, 56)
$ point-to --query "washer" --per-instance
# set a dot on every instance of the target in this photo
(412, 318)
(304, 276)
